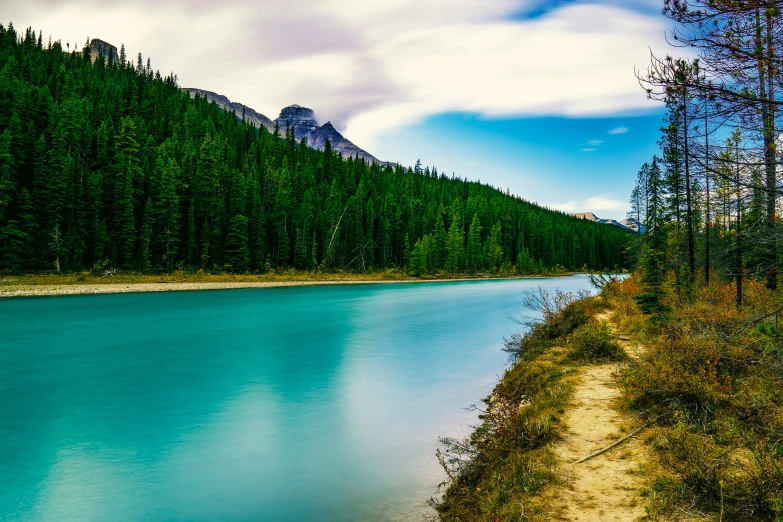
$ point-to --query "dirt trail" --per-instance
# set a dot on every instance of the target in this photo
(606, 487)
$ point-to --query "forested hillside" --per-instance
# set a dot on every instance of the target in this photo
(111, 164)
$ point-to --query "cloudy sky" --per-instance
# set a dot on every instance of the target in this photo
(535, 96)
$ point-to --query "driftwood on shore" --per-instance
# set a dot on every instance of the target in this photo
(610, 446)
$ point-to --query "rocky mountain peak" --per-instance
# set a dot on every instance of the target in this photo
(105, 49)
(300, 118)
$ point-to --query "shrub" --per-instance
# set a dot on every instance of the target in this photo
(721, 466)
(710, 378)
(592, 342)
(679, 370)
(561, 313)
(496, 472)
(493, 474)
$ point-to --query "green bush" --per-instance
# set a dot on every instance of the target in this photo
(561, 313)
(592, 342)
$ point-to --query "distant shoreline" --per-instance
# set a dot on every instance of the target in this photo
(30, 287)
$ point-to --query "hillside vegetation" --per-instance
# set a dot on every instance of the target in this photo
(110, 165)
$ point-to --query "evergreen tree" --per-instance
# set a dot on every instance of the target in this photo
(237, 252)
(13, 241)
(455, 246)
(495, 248)
(474, 251)
(125, 222)
(256, 223)
(147, 224)
(167, 216)
(6, 168)
(525, 264)
(127, 170)
(192, 244)
(421, 256)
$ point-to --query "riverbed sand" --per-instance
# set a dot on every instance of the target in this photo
(123, 288)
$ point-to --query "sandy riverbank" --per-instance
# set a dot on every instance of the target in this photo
(30, 290)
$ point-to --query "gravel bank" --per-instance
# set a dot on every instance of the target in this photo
(123, 288)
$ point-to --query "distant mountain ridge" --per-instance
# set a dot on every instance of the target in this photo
(626, 223)
(301, 119)
(224, 103)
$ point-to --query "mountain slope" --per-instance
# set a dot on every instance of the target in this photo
(301, 119)
(224, 103)
(317, 140)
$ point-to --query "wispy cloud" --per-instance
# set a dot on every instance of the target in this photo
(618, 130)
(374, 66)
(594, 143)
(589, 149)
(602, 205)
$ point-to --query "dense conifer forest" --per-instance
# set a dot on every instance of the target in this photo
(108, 164)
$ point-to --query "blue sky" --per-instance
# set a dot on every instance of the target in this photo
(572, 164)
(511, 92)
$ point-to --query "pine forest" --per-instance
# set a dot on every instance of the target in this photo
(111, 165)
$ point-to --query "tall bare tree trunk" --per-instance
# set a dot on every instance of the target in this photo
(766, 91)
(738, 237)
(707, 180)
(688, 202)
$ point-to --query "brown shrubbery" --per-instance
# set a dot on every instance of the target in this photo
(711, 381)
(708, 380)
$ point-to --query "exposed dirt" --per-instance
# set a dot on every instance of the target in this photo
(9, 287)
(122, 288)
(606, 487)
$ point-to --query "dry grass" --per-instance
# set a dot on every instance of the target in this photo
(712, 382)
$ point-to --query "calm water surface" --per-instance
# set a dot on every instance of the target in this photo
(309, 403)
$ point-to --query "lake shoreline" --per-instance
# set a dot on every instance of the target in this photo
(35, 289)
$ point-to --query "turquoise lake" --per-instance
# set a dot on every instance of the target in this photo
(291, 404)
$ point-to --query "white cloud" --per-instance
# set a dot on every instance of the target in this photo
(588, 149)
(602, 205)
(618, 130)
(374, 66)
(594, 143)
(577, 61)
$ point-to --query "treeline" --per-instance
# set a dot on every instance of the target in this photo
(710, 201)
(110, 165)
